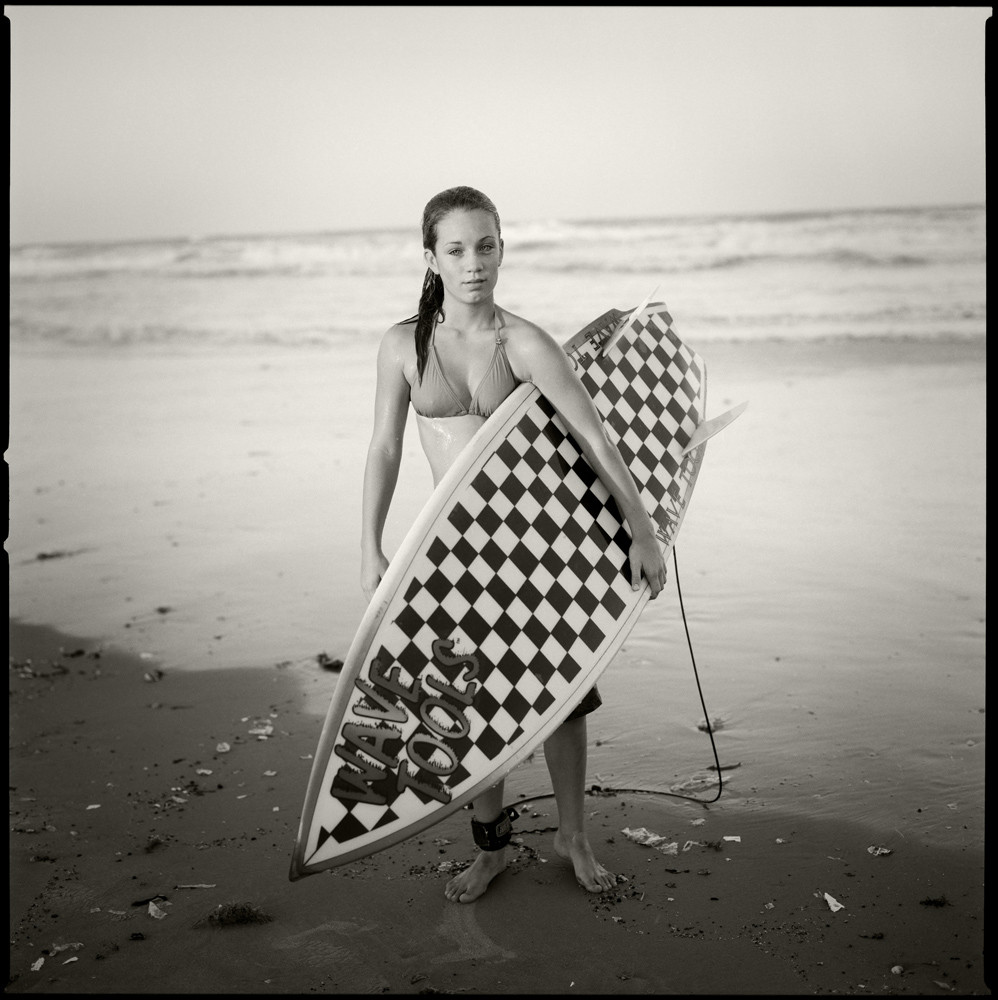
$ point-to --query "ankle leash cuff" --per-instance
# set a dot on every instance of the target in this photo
(495, 835)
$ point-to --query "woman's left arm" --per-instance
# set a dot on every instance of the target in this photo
(538, 358)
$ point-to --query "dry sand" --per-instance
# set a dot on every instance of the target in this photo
(189, 596)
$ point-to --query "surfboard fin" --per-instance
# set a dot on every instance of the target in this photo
(710, 427)
(628, 323)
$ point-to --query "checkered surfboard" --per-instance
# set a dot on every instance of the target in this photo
(505, 602)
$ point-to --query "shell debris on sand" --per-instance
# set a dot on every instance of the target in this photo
(646, 838)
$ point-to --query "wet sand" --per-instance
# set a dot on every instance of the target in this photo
(173, 584)
(121, 796)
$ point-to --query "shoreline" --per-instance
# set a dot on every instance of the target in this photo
(91, 731)
(203, 473)
(969, 346)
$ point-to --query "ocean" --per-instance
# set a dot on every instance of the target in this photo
(917, 272)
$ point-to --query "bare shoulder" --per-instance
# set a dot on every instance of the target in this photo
(523, 330)
(398, 348)
(399, 337)
(530, 348)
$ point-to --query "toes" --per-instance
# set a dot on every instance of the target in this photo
(601, 881)
(595, 883)
(461, 894)
(473, 881)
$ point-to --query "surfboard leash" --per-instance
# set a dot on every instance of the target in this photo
(703, 705)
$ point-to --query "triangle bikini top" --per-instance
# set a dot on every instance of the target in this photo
(434, 396)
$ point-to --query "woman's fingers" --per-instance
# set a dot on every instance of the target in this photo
(372, 572)
(654, 571)
(369, 588)
(656, 580)
(635, 568)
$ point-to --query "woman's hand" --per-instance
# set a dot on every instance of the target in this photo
(646, 559)
(372, 568)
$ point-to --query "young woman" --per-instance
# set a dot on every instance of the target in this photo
(455, 362)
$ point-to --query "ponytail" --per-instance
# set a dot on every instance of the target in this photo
(431, 302)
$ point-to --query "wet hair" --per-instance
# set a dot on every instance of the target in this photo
(431, 298)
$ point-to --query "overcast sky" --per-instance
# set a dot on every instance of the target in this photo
(138, 122)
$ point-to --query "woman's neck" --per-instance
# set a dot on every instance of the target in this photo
(470, 317)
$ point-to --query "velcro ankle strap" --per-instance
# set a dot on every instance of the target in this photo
(495, 835)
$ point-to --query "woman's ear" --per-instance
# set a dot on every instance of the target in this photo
(431, 261)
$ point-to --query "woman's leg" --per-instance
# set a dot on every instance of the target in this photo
(565, 752)
(473, 881)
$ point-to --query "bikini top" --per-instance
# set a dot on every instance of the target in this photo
(435, 397)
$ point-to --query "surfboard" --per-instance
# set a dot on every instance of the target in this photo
(507, 598)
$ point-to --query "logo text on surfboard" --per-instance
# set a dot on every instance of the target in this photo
(378, 763)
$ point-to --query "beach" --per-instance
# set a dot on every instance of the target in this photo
(184, 563)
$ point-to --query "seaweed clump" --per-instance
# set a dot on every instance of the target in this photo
(234, 915)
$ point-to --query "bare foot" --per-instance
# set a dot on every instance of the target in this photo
(589, 873)
(473, 881)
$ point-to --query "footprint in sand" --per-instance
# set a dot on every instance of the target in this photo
(460, 926)
(316, 945)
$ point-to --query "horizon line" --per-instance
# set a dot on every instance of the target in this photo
(589, 220)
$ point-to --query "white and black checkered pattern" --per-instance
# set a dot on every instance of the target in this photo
(528, 571)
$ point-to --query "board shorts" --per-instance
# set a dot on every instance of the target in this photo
(590, 702)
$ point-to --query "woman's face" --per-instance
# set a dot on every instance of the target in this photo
(467, 255)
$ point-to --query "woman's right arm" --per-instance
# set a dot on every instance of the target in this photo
(384, 456)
